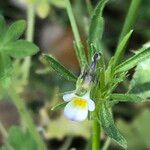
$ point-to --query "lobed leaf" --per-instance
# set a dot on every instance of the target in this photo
(116, 98)
(15, 31)
(58, 3)
(21, 49)
(110, 128)
(59, 68)
(5, 70)
(96, 28)
(5, 66)
(20, 140)
(133, 61)
(59, 106)
(120, 48)
(2, 27)
(140, 83)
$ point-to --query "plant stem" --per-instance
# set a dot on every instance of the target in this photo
(30, 22)
(80, 51)
(130, 18)
(96, 135)
(3, 131)
(29, 37)
(5, 136)
(19, 103)
(107, 143)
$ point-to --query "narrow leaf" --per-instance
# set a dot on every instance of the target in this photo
(59, 106)
(21, 49)
(15, 31)
(120, 49)
(133, 61)
(110, 128)
(59, 68)
(80, 53)
(116, 98)
(96, 28)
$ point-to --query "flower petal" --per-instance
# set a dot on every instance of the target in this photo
(91, 105)
(68, 97)
(75, 113)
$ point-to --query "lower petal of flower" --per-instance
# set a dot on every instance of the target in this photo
(75, 112)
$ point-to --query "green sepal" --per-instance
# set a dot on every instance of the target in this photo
(52, 62)
(59, 106)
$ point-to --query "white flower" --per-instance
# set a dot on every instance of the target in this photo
(77, 107)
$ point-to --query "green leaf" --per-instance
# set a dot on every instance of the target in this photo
(2, 27)
(59, 106)
(20, 140)
(96, 28)
(137, 130)
(120, 49)
(58, 3)
(140, 83)
(133, 61)
(5, 71)
(110, 128)
(116, 98)
(5, 66)
(21, 49)
(59, 68)
(15, 31)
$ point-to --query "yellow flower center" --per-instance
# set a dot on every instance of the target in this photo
(79, 102)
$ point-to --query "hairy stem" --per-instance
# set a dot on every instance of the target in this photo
(96, 135)
(19, 103)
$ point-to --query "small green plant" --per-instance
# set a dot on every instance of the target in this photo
(94, 95)
(13, 47)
